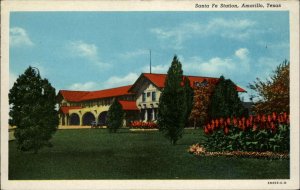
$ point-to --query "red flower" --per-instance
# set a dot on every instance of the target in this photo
(240, 124)
(254, 127)
(206, 131)
(234, 121)
(226, 130)
(251, 118)
(247, 122)
(258, 118)
(273, 127)
(217, 123)
(285, 116)
(269, 118)
(212, 126)
(280, 119)
(208, 127)
(274, 116)
(228, 121)
(263, 118)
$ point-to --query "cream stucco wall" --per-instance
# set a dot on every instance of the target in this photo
(148, 103)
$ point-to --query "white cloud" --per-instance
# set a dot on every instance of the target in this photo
(242, 53)
(115, 81)
(156, 68)
(19, 37)
(84, 86)
(217, 66)
(238, 29)
(233, 24)
(213, 67)
(132, 54)
(85, 50)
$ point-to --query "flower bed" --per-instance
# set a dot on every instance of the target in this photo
(199, 150)
(142, 125)
(259, 133)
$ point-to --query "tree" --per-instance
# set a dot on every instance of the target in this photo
(32, 103)
(225, 101)
(202, 97)
(115, 116)
(173, 106)
(189, 99)
(273, 95)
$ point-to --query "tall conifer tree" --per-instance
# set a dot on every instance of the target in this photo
(173, 107)
(32, 103)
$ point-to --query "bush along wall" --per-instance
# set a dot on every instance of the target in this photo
(142, 125)
(259, 133)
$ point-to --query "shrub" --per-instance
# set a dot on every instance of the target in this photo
(255, 133)
(115, 116)
(143, 125)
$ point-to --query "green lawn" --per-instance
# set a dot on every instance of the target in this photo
(96, 154)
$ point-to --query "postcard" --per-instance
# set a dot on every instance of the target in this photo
(149, 94)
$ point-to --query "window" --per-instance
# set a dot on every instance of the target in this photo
(153, 96)
(144, 97)
(148, 94)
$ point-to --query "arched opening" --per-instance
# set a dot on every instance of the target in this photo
(102, 118)
(74, 119)
(88, 118)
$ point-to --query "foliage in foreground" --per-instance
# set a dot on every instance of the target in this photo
(257, 133)
(174, 103)
(199, 150)
(32, 103)
(274, 93)
(115, 116)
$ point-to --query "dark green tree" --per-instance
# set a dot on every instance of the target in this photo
(115, 116)
(189, 99)
(32, 103)
(173, 108)
(225, 101)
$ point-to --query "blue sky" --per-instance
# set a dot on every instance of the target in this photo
(96, 50)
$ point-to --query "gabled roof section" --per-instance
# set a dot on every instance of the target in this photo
(112, 92)
(77, 96)
(159, 80)
(72, 96)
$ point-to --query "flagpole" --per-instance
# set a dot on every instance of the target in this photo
(150, 61)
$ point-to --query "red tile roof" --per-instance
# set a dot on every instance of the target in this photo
(156, 79)
(65, 109)
(159, 80)
(73, 96)
(128, 105)
(112, 92)
(77, 96)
